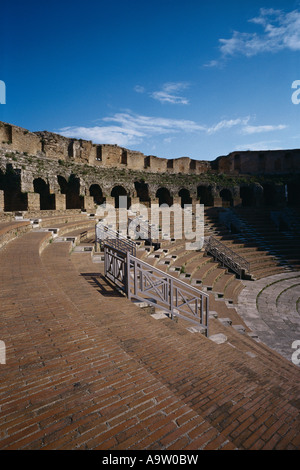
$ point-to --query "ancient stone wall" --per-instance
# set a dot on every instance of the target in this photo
(259, 162)
(19, 139)
(56, 173)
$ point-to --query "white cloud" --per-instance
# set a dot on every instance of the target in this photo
(129, 129)
(104, 134)
(169, 93)
(280, 31)
(139, 89)
(262, 145)
(126, 129)
(227, 124)
(259, 129)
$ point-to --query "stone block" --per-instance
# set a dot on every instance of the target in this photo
(33, 202)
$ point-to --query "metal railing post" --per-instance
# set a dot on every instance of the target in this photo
(128, 279)
(171, 297)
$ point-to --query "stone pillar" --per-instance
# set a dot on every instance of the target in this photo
(154, 200)
(177, 200)
(1, 201)
(60, 202)
(135, 200)
(33, 202)
(237, 201)
(110, 200)
(88, 203)
(218, 202)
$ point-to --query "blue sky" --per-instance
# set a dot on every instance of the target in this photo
(169, 78)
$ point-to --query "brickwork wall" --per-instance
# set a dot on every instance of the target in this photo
(57, 147)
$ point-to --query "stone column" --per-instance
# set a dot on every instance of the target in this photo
(60, 202)
(154, 200)
(177, 200)
(135, 200)
(110, 200)
(33, 202)
(237, 201)
(217, 201)
(1, 201)
(88, 203)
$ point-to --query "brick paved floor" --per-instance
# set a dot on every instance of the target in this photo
(87, 369)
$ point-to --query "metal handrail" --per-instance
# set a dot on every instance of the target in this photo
(145, 230)
(141, 281)
(106, 235)
(227, 256)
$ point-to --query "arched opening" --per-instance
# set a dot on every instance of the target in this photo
(71, 189)
(226, 196)
(204, 193)
(46, 199)
(142, 191)
(193, 165)
(1, 180)
(164, 197)
(247, 196)
(96, 193)
(185, 197)
(14, 199)
(118, 191)
(62, 184)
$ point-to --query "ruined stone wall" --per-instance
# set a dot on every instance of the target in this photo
(259, 162)
(19, 139)
(59, 148)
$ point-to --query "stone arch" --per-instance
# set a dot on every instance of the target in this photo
(14, 198)
(142, 191)
(71, 188)
(164, 197)
(205, 194)
(226, 196)
(185, 196)
(118, 191)
(97, 194)
(1, 180)
(47, 201)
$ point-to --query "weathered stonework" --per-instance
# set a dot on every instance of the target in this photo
(47, 171)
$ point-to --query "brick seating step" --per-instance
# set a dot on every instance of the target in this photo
(87, 369)
(12, 229)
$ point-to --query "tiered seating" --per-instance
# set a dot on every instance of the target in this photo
(87, 369)
(283, 244)
(12, 229)
(247, 244)
(192, 266)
